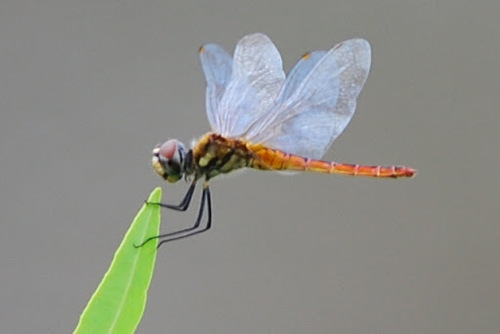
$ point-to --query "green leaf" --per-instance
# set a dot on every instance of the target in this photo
(119, 301)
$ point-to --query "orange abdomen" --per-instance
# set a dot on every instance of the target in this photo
(268, 158)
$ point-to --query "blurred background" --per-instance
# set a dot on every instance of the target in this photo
(88, 88)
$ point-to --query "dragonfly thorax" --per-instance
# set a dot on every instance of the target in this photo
(170, 160)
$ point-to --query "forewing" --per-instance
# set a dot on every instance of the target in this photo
(299, 72)
(310, 114)
(256, 80)
(217, 66)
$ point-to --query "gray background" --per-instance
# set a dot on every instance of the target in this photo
(87, 88)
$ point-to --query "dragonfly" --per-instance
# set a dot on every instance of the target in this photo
(262, 119)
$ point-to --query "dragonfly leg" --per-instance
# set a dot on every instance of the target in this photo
(193, 230)
(186, 232)
(184, 204)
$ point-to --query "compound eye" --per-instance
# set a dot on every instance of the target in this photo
(168, 150)
(168, 159)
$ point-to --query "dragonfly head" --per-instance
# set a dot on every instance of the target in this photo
(168, 160)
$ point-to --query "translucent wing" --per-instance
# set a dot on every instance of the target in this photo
(217, 66)
(317, 101)
(256, 80)
(300, 71)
